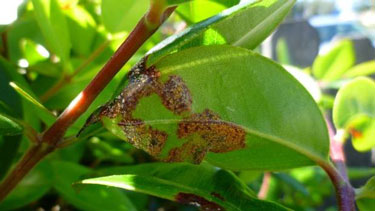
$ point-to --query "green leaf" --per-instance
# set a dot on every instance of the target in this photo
(332, 65)
(365, 196)
(199, 10)
(31, 188)
(82, 29)
(245, 25)
(44, 114)
(94, 198)
(208, 186)
(354, 111)
(122, 15)
(363, 69)
(54, 27)
(243, 110)
(8, 126)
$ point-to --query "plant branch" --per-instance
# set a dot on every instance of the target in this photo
(339, 177)
(51, 138)
(262, 194)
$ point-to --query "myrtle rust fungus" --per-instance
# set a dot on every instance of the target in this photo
(217, 195)
(176, 96)
(355, 133)
(205, 132)
(204, 204)
(144, 81)
(221, 136)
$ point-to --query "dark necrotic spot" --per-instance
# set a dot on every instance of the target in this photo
(204, 204)
(176, 95)
(205, 132)
(222, 136)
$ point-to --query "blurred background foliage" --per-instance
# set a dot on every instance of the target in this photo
(52, 49)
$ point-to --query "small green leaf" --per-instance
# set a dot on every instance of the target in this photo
(245, 25)
(8, 151)
(45, 114)
(354, 111)
(94, 198)
(53, 25)
(8, 126)
(332, 65)
(363, 69)
(208, 186)
(122, 15)
(365, 196)
(241, 98)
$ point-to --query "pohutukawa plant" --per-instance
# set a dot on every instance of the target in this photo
(204, 106)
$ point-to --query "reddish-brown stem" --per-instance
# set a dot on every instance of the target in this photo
(262, 194)
(53, 135)
(339, 176)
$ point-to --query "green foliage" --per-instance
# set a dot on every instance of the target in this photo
(333, 64)
(365, 196)
(221, 104)
(122, 15)
(354, 111)
(219, 188)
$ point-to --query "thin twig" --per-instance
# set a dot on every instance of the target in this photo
(262, 194)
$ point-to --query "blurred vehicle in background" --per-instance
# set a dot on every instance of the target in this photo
(333, 27)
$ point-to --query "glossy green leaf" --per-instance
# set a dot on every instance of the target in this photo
(354, 111)
(8, 126)
(244, 94)
(94, 198)
(122, 15)
(30, 189)
(363, 69)
(54, 27)
(245, 25)
(365, 196)
(332, 65)
(208, 186)
(199, 10)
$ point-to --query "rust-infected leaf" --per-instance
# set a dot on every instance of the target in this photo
(204, 204)
(204, 132)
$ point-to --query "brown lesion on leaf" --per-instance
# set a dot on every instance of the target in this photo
(206, 132)
(204, 204)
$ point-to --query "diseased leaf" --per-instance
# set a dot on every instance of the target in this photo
(221, 101)
(365, 196)
(211, 188)
(354, 111)
(335, 63)
(245, 25)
